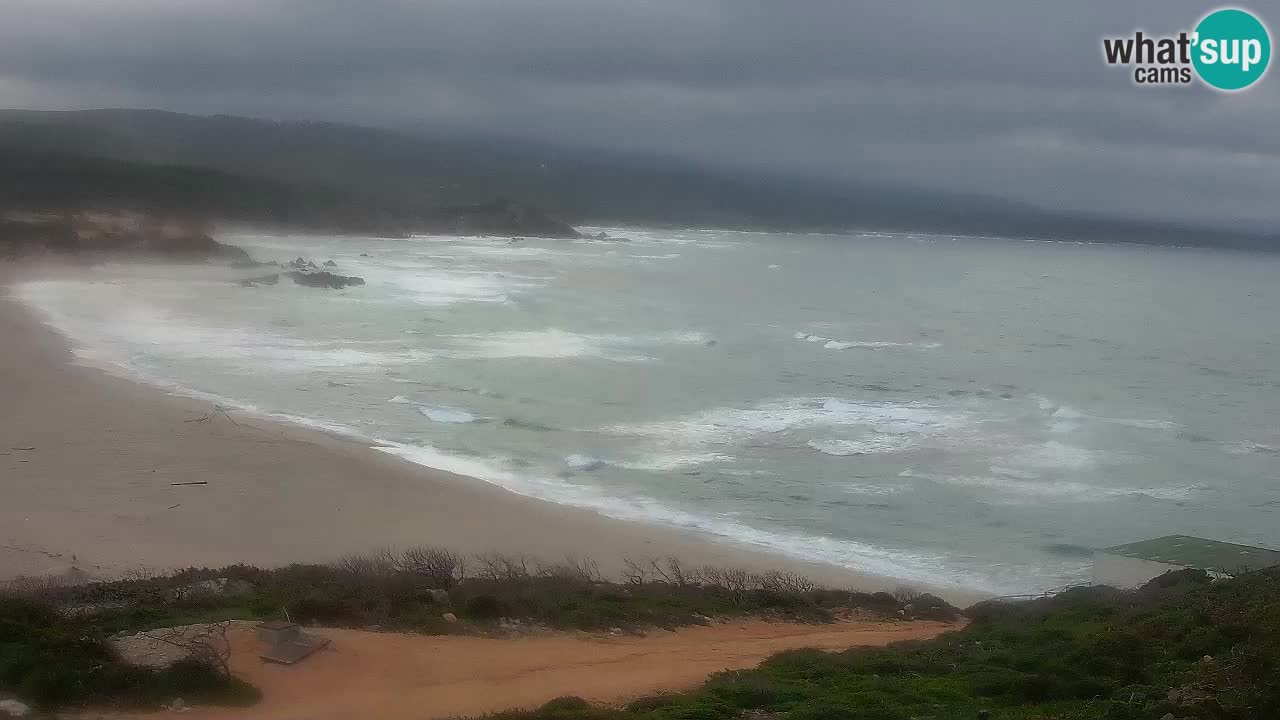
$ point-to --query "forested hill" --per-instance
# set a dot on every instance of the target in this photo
(60, 182)
(353, 177)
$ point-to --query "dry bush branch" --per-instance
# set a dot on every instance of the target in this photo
(444, 568)
(905, 595)
(636, 572)
(580, 568)
(209, 643)
(503, 566)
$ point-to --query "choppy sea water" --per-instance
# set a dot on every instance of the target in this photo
(965, 412)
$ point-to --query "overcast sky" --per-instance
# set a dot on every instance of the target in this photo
(1009, 98)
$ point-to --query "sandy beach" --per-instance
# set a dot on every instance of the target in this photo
(96, 471)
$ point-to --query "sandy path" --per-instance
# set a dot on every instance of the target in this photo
(398, 677)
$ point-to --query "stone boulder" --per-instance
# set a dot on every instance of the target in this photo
(13, 709)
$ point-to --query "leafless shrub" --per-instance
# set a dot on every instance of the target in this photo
(140, 573)
(30, 587)
(444, 568)
(209, 643)
(636, 572)
(378, 563)
(579, 568)
(673, 572)
(502, 566)
(784, 582)
(736, 581)
(905, 595)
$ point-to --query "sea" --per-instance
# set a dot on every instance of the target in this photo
(962, 412)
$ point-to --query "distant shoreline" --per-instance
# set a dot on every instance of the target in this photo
(98, 484)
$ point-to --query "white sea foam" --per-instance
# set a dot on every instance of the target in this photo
(400, 400)
(673, 462)
(1244, 447)
(1065, 418)
(113, 325)
(446, 414)
(554, 343)
(877, 421)
(1021, 490)
(873, 490)
(550, 344)
(851, 554)
(832, 344)
(584, 463)
(869, 444)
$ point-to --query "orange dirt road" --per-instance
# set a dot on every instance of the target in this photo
(413, 677)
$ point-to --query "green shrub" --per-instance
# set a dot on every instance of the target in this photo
(485, 608)
(51, 660)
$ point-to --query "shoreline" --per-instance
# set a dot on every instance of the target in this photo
(97, 487)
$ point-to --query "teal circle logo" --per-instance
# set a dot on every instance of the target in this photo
(1232, 49)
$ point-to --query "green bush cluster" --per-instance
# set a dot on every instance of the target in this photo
(51, 660)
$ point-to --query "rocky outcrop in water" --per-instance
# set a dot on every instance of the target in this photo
(323, 279)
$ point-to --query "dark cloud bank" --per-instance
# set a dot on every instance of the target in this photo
(1008, 99)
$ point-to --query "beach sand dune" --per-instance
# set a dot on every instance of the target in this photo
(403, 677)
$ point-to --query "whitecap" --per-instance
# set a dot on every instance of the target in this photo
(584, 463)
(1244, 447)
(1065, 418)
(671, 462)
(554, 343)
(446, 414)
(868, 445)
(731, 425)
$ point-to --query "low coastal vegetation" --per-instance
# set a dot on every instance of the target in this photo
(1183, 646)
(55, 637)
(1180, 647)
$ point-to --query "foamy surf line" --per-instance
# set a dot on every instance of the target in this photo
(844, 554)
(852, 555)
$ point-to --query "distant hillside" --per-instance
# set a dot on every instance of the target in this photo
(371, 173)
(58, 181)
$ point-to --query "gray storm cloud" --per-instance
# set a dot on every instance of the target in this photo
(1003, 98)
